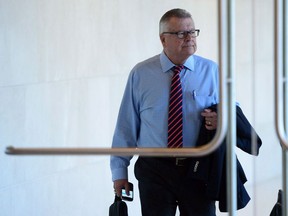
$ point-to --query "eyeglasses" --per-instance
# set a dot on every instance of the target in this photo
(184, 34)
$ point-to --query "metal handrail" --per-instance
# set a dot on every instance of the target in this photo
(279, 80)
(280, 66)
(225, 66)
(195, 151)
(226, 13)
(198, 151)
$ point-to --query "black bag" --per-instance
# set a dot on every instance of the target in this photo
(277, 209)
(118, 208)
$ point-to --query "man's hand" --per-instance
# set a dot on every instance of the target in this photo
(210, 119)
(119, 184)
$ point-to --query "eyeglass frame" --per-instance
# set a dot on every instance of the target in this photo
(184, 34)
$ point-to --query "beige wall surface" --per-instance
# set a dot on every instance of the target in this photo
(63, 68)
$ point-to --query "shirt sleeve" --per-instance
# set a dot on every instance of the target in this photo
(126, 131)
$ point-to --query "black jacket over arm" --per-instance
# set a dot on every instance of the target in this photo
(216, 161)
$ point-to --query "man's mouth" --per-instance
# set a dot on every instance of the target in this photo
(188, 45)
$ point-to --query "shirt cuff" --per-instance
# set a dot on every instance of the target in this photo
(120, 173)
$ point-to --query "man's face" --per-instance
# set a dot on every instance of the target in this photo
(176, 49)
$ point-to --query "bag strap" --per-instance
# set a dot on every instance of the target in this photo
(117, 198)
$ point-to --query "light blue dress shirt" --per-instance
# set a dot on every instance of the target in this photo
(143, 114)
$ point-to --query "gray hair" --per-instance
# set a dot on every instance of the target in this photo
(177, 12)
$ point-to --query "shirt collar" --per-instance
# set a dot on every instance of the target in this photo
(166, 64)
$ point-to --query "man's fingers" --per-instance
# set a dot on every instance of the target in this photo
(119, 184)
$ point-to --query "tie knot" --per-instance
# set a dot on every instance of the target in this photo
(177, 68)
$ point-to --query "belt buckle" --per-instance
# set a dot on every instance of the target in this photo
(180, 161)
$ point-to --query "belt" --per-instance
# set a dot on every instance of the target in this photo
(176, 161)
(181, 161)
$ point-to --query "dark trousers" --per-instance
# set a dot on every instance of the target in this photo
(165, 183)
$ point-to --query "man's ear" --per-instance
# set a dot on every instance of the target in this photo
(162, 39)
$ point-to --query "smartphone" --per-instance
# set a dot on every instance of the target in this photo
(126, 196)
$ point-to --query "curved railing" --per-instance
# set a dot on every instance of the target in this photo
(225, 116)
(197, 151)
(279, 68)
(280, 82)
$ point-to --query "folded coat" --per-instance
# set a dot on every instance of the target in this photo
(212, 167)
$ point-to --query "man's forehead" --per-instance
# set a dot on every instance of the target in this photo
(175, 22)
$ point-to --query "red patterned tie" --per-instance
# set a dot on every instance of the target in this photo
(175, 116)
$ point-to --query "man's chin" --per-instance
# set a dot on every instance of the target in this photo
(190, 51)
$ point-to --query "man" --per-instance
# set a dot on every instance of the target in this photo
(167, 183)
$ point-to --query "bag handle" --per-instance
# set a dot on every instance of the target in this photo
(117, 198)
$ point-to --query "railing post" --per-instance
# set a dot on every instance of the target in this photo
(226, 15)
(280, 82)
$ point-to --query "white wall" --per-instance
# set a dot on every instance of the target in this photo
(63, 68)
